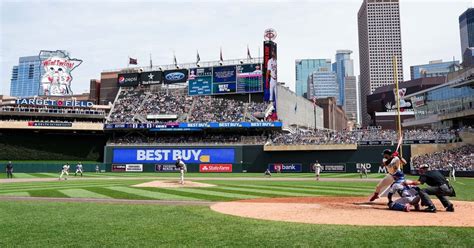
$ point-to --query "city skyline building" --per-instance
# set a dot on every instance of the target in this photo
(379, 42)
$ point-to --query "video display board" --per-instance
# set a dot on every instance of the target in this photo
(245, 78)
(200, 81)
(249, 78)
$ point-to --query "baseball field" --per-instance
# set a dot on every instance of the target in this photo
(237, 209)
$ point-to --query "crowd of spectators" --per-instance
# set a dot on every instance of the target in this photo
(209, 109)
(317, 137)
(460, 158)
(200, 138)
(162, 103)
(135, 102)
(126, 105)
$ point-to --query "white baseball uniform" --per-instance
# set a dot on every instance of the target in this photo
(385, 183)
(65, 170)
(272, 68)
(317, 169)
(182, 170)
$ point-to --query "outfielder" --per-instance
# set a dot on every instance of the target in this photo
(317, 169)
(182, 169)
(78, 169)
(65, 170)
(392, 162)
(452, 172)
(409, 196)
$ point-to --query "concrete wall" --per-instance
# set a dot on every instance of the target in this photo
(297, 110)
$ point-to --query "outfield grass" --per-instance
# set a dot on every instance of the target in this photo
(78, 224)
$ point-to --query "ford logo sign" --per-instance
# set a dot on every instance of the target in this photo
(175, 76)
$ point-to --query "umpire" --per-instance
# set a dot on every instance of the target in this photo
(437, 185)
(9, 169)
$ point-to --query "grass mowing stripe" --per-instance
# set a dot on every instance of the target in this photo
(65, 186)
(300, 190)
(346, 189)
(23, 175)
(47, 193)
(15, 194)
(82, 193)
(151, 194)
(242, 192)
(118, 194)
(199, 195)
(283, 193)
(204, 191)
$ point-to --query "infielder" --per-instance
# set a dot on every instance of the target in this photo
(317, 169)
(182, 169)
(392, 162)
(363, 171)
(452, 172)
(65, 170)
(409, 196)
(267, 173)
(78, 169)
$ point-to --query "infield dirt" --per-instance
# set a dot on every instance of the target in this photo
(344, 211)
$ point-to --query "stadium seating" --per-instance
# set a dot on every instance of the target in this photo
(134, 105)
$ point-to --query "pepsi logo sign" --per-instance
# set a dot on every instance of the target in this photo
(175, 76)
(121, 79)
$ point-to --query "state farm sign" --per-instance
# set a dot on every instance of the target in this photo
(206, 168)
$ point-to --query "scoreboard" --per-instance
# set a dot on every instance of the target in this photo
(245, 78)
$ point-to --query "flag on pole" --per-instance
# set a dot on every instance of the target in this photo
(151, 62)
(132, 61)
(198, 58)
(248, 53)
(221, 58)
(175, 61)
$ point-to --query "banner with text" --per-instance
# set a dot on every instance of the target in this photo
(170, 155)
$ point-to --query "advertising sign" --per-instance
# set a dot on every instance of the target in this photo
(118, 168)
(285, 167)
(176, 76)
(49, 124)
(223, 88)
(333, 167)
(55, 103)
(200, 81)
(405, 104)
(171, 126)
(269, 69)
(249, 78)
(56, 78)
(222, 168)
(170, 155)
(134, 167)
(151, 77)
(166, 168)
(128, 79)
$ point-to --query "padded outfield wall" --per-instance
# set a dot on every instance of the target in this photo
(249, 158)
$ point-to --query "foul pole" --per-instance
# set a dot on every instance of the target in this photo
(397, 98)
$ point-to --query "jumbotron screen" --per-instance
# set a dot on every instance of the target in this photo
(245, 78)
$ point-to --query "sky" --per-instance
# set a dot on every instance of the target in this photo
(105, 33)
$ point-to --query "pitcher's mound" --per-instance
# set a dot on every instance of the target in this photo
(173, 184)
(344, 211)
